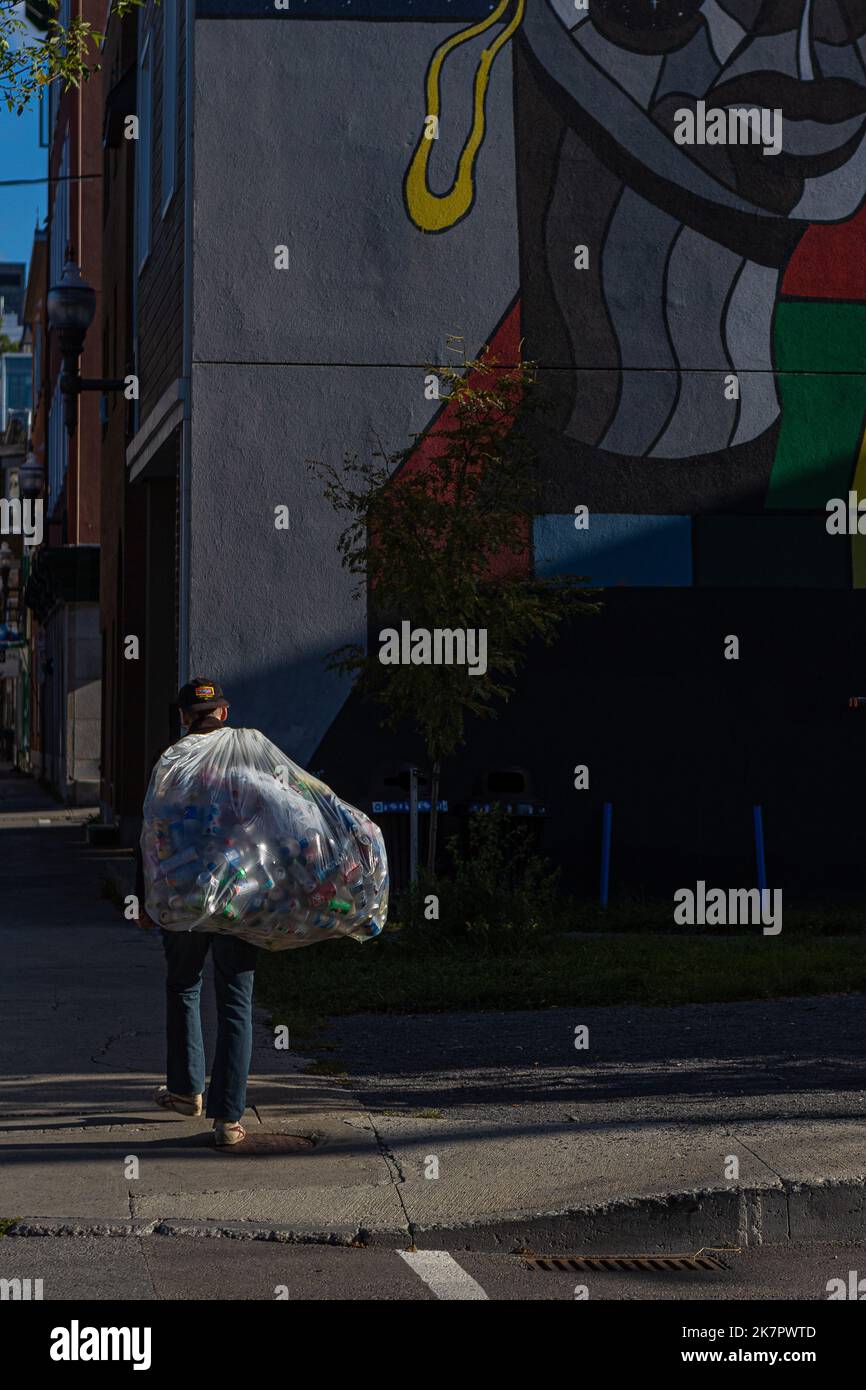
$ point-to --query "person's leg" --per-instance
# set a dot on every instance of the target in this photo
(234, 965)
(184, 957)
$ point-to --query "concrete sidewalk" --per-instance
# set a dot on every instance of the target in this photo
(471, 1131)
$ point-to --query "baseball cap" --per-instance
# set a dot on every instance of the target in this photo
(200, 694)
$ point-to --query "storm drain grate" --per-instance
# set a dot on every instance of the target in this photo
(653, 1264)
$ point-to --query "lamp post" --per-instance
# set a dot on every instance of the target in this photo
(31, 476)
(71, 305)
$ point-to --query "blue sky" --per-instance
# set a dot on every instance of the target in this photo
(20, 158)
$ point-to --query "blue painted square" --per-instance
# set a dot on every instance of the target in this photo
(635, 551)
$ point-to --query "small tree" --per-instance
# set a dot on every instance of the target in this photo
(29, 65)
(443, 543)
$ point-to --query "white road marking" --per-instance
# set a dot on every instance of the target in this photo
(441, 1273)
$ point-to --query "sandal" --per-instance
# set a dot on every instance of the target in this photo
(183, 1105)
(228, 1132)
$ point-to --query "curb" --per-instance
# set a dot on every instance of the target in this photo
(301, 1234)
(673, 1223)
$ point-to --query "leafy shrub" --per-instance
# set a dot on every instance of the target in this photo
(498, 884)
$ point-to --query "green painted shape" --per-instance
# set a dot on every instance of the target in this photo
(822, 409)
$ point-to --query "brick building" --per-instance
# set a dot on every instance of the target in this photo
(63, 584)
(142, 326)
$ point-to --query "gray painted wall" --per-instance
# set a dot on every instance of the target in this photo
(302, 136)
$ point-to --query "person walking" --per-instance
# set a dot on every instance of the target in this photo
(204, 710)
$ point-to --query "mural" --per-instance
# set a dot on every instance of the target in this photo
(657, 199)
(703, 359)
(719, 276)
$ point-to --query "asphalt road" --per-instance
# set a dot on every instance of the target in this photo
(751, 1061)
(181, 1268)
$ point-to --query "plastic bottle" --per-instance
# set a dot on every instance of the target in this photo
(176, 834)
(225, 860)
(311, 847)
(305, 878)
(244, 884)
(183, 856)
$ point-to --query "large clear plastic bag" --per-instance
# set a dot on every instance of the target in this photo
(238, 839)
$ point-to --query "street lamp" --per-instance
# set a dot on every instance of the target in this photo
(31, 476)
(71, 305)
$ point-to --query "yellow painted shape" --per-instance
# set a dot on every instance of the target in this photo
(434, 212)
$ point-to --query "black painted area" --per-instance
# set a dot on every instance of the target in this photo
(680, 740)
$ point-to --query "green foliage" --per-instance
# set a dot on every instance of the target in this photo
(637, 969)
(498, 885)
(29, 65)
(439, 546)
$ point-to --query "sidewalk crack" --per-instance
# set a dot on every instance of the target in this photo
(785, 1188)
(761, 1160)
(142, 1245)
(113, 1038)
(394, 1168)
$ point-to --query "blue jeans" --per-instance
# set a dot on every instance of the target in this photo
(234, 970)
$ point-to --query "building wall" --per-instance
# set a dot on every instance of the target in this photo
(70, 691)
(122, 571)
(143, 275)
(34, 315)
(160, 286)
(702, 361)
(322, 359)
(159, 330)
(83, 701)
(79, 122)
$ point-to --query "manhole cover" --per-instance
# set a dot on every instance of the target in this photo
(270, 1144)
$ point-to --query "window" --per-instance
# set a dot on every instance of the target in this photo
(56, 449)
(143, 153)
(37, 362)
(60, 229)
(18, 383)
(169, 102)
(55, 91)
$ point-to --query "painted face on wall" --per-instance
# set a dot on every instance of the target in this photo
(647, 72)
(688, 145)
(671, 156)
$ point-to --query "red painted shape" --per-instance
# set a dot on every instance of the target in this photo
(504, 350)
(830, 261)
